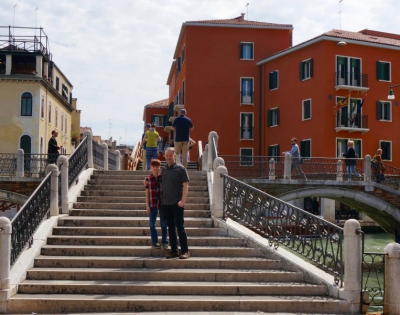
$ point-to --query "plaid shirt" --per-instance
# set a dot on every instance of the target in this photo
(155, 190)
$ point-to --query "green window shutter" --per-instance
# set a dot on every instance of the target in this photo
(269, 118)
(270, 80)
(269, 151)
(165, 120)
(301, 71)
(275, 79)
(305, 150)
(179, 64)
(378, 70)
(152, 118)
(311, 67)
(252, 51)
(241, 50)
(379, 113)
(278, 151)
(277, 116)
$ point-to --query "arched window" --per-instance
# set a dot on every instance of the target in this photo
(26, 104)
(62, 121)
(25, 144)
(42, 108)
(49, 113)
(56, 118)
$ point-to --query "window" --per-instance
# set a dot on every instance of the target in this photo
(49, 113)
(183, 54)
(26, 104)
(58, 84)
(341, 147)
(62, 122)
(159, 120)
(246, 92)
(246, 126)
(350, 115)
(383, 111)
(306, 69)
(348, 71)
(65, 125)
(273, 117)
(247, 51)
(274, 152)
(56, 117)
(42, 108)
(178, 65)
(65, 92)
(305, 148)
(246, 156)
(307, 109)
(386, 147)
(25, 143)
(273, 80)
(383, 71)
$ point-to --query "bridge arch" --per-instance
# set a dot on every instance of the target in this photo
(383, 213)
(10, 199)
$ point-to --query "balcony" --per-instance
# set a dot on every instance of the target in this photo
(351, 123)
(246, 133)
(354, 81)
(247, 97)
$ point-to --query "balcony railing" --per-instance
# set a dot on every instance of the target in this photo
(351, 121)
(246, 133)
(351, 79)
(247, 97)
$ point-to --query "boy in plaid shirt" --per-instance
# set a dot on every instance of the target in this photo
(153, 185)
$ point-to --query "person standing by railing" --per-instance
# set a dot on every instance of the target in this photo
(151, 137)
(351, 161)
(52, 149)
(296, 158)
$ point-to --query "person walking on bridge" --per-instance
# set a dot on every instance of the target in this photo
(182, 126)
(351, 160)
(296, 158)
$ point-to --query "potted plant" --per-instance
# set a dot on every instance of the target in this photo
(74, 136)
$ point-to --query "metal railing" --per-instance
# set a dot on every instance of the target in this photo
(284, 224)
(29, 217)
(246, 97)
(390, 176)
(8, 164)
(77, 161)
(131, 162)
(351, 79)
(112, 160)
(35, 165)
(98, 156)
(350, 121)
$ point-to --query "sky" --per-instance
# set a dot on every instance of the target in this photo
(118, 54)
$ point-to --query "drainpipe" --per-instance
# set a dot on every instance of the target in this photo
(260, 106)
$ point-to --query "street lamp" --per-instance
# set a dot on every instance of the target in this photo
(391, 95)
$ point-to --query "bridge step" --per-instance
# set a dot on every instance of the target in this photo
(134, 187)
(120, 199)
(130, 206)
(132, 193)
(131, 213)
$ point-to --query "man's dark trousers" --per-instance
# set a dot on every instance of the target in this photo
(175, 220)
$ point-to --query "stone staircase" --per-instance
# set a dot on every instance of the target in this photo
(100, 259)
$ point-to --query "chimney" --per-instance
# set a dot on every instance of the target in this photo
(242, 18)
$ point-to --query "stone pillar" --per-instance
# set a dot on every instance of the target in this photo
(210, 159)
(367, 168)
(352, 264)
(53, 188)
(204, 158)
(105, 156)
(118, 160)
(272, 169)
(89, 147)
(63, 161)
(20, 163)
(287, 169)
(39, 66)
(392, 279)
(217, 209)
(46, 69)
(5, 252)
(339, 170)
(8, 64)
(217, 162)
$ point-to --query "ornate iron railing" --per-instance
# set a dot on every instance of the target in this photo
(112, 160)
(35, 165)
(77, 161)
(28, 218)
(390, 176)
(98, 156)
(284, 224)
(8, 164)
(351, 78)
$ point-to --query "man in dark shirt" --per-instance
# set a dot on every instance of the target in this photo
(52, 150)
(175, 181)
(182, 126)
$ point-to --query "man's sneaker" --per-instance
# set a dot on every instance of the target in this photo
(164, 245)
(156, 245)
(185, 256)
(172, 255)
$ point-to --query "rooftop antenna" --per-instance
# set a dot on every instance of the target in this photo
(109, 128)
(247, 7)
(14, 19)
(35, 19)
(340, 14)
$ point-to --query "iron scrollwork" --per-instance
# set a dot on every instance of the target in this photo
(98, 156)
(77, 161)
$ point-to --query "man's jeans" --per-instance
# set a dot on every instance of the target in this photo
(351, 170)
(175, 221)
(181, 148)
(153, 230)
(151, 153)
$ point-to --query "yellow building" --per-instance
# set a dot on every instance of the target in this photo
(35, 96)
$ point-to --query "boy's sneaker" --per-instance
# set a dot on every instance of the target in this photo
(156, 245)
(164, 245)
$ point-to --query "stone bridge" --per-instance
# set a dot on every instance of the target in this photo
(381, 203)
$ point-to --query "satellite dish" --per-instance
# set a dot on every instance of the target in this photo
(341, 43)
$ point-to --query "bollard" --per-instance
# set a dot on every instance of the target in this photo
(5, 252)
(217, 210)
(288, 167)
(352, 263)
(89, 148)
(20, 163)
(63, 161)
(339, 170)
(391, 303)
(53, 188)
(271, 169)
(105, 156)
(118, 158)
(367, 168)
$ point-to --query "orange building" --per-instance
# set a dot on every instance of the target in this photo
(303, 84)
(215, 77)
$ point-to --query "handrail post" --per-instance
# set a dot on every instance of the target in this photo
(118, 160)
(217, 209)
(367, 168)
(271, 169)
(89, 136)
(53, 169)
(5, 252)
(105, 156)
(205, 158)
(339, 170)
(288, 167)
(212, 135)
(63, 161)
(391, 303)
(352, 264)
(20, 163)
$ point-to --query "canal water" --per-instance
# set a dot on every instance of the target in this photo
(376, 242)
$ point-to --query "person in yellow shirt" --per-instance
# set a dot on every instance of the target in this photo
(151, 137)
